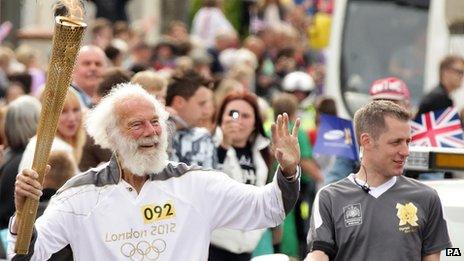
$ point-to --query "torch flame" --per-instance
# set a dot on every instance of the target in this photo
(70, 8)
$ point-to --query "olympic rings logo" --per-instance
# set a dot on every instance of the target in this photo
(144, 250)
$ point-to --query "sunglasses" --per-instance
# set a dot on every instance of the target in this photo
(457, 71)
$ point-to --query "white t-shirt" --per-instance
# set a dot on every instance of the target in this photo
(103, 218)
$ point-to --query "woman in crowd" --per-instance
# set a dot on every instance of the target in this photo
(245, 155)
(21, 121)
(70, 134)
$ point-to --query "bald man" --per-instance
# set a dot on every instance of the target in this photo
(87, 75)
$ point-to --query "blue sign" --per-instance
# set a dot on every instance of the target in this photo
(336, 137)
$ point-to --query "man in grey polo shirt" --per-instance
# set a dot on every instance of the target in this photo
(378, 214)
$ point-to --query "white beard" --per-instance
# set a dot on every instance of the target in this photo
(138, 162)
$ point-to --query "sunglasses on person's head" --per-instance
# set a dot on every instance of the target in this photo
(457, 71)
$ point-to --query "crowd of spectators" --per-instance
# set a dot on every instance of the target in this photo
(204, 75)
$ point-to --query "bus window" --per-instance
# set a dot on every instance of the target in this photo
(381, 39)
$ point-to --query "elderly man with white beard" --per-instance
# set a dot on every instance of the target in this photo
(140, 206)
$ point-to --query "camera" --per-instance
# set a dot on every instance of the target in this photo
(234, 114)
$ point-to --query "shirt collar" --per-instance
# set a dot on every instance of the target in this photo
(375, 191)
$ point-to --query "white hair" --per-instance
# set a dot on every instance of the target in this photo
(245, 56)
(103, 118)
(237, 57)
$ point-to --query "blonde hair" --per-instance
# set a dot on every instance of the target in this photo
(285, 102)
(150, 81)
(184, 64)
(77, 142)
(241, 72)
(226, 87)
(25, 54)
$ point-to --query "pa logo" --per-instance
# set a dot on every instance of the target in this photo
(452, 251)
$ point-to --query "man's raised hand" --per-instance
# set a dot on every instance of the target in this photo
(285, 145)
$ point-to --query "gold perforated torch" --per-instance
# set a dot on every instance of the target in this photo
(66, 41)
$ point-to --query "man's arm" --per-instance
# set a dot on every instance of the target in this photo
(50, 230)
(236, 205)
(317, 255)
(321, 234)
(432, 257)
(239, 206)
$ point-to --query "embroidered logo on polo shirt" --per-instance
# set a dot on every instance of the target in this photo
(353, 215)
(407, 215)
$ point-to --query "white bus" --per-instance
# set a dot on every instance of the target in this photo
(372, 39)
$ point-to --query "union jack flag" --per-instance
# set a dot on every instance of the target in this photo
(440, 128)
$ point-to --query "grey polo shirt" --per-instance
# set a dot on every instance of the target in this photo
(400, 220)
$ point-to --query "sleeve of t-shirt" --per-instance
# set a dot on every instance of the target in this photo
(436, 237)
(234, 205)
(321, 231)
(51, 233)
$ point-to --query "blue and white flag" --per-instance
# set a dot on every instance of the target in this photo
(336, 137)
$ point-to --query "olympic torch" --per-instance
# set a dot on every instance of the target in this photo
(66, 41)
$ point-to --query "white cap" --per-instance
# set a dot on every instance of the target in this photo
(298, 81)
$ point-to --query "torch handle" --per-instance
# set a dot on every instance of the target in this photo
(25, 225)
(66, 40)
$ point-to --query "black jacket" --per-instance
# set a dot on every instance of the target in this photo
(437, 99)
